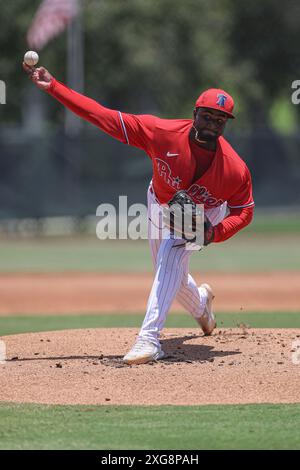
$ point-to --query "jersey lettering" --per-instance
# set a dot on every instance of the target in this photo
(165, 172)
(201, 195)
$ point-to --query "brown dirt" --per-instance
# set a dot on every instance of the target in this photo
(69, 293)
(85, 367)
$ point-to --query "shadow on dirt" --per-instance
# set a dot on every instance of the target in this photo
(176, 351)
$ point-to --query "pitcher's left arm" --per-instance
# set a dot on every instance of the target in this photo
(241, 207)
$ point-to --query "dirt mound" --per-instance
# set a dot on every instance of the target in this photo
(68, 293)
(85, 367)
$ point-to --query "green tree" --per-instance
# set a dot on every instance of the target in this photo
(158, 55)
(265, 36)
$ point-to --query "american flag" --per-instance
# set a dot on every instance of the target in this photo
(50, 20)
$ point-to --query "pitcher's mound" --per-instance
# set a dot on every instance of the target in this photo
(85, 367)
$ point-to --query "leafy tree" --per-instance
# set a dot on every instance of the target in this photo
(265, 35)
(158, 55)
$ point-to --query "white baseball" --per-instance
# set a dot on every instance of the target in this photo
(31, 58)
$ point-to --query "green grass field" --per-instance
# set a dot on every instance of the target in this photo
(145, 427)
(247, 253)
(26, 324)
(138, 427)
(270, 243)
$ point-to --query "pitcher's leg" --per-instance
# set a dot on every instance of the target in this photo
(170, 258)
(170, 266)
(168, 277)
(189, 295)
(192, 297)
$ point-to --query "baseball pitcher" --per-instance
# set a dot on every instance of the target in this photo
(192, 165)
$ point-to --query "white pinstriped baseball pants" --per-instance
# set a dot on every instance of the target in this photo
(172, 279)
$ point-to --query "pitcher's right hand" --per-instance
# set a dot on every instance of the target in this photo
(39, 76)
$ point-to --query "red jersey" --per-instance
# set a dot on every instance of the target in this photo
(203, 159)
(174, 158)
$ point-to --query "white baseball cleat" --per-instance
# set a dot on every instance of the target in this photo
(207, 320)
(142, 352)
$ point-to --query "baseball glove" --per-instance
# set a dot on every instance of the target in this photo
(185, 220)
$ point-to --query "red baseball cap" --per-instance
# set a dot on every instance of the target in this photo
(215, 98)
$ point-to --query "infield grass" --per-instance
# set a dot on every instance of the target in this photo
(32, 324)
(150, 427)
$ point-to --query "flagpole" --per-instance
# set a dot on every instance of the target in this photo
(75, 68)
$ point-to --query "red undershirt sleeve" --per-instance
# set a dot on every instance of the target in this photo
(136, 130)
(243, 197)
(233, 223)
(241, 207)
